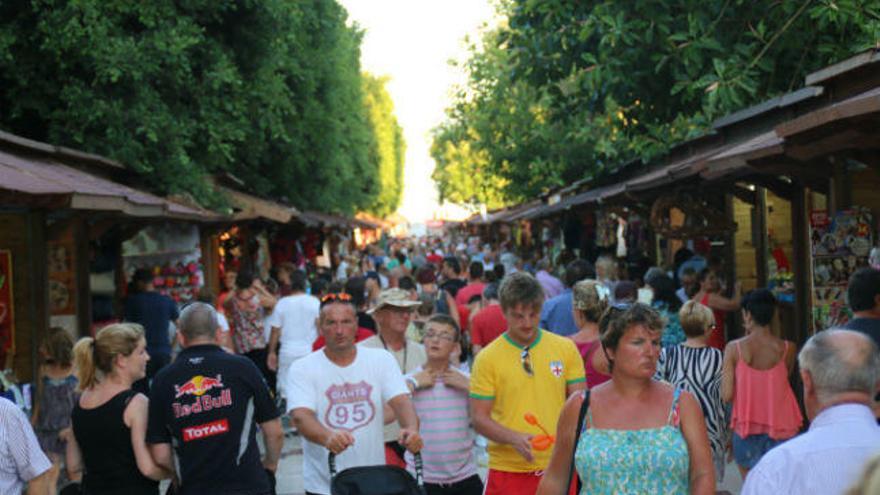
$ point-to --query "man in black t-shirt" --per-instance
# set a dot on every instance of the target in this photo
(207, 404)
(863, 296)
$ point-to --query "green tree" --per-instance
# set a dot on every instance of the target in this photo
(613, 81)
(267, 90)
(390, 146)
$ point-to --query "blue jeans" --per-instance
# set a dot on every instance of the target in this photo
(749, 450)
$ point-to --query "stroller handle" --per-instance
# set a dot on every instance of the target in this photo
(417, 461)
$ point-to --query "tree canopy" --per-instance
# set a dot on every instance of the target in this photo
(563, 90)
(389, 145)
(270, 91)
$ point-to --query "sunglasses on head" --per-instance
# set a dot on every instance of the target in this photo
(336, 297)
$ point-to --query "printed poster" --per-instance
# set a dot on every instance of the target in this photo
(840, 245)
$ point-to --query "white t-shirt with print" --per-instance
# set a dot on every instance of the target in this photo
(349, 399)
(296, 316)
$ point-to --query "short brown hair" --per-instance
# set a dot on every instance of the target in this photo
(620, 318)
(695, 318)
(447, 320)
(58, 346)
(520, 288)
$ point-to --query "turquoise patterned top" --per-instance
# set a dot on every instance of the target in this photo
(673, 334)
(653, 460)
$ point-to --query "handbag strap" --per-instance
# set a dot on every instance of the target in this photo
(577, 436)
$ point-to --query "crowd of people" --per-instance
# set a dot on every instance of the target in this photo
(570, 375)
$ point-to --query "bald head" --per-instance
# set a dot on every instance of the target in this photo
(198, 321)
(841, 361)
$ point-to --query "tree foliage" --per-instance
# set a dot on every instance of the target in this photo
(389, 148)
(564, 89)
(269, 90)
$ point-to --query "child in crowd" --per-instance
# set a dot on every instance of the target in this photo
(440, 396)
(56, 396)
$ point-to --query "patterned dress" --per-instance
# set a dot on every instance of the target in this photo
(618, 462)
(246, 323)
(698, 371)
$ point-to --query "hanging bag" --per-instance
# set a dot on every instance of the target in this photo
(577, 436)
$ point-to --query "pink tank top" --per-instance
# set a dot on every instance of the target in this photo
(763, 401)
(594, 376)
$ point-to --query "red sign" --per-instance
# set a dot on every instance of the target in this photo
(7, 311)
(206, 430)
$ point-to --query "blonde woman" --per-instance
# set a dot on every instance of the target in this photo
(695, 366)
(110, 419)
(589, 300)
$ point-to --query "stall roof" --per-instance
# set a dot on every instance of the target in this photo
(76, 189)
(316, 218)
(249, 207)
(856, 106)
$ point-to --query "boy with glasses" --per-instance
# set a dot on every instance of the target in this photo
(441, 402)
(526, 371)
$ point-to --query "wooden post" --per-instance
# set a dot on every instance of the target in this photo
(83, 282)
(732, 323)
(801, 264)
(38, 300)
(760, 232)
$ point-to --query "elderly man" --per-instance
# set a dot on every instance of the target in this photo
(21, 459)
(393, 313)
(840, 370)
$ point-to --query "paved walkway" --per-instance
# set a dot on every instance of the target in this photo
(290, 481)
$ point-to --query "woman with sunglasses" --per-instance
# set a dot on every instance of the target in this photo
(695, 366)
(638, 435)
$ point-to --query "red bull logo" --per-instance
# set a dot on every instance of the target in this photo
(197, 386)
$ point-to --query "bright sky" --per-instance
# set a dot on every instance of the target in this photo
(411, 41)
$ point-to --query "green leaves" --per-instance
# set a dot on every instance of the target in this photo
(179, 90)
(623, 80)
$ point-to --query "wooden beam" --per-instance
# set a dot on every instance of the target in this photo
(845, 139)
(743, 194)
(778, 186)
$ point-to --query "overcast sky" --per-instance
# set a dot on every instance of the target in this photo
(411, 41)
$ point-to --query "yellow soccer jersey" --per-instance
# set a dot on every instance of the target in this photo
(498, 375)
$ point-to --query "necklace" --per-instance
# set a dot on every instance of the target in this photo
(389, 350)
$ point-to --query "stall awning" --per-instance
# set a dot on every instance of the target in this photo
(47, 181)
(856, 106)
(316, 218)
(737, 157)
(248, 207)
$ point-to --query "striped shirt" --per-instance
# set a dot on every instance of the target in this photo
(21, 458)
(445, 427)
(827, 459)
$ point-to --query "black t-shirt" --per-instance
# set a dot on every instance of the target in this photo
(207, 404)
(453, 285)
(868, 326)
(154, 312)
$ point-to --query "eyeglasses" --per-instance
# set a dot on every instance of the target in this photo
(526, 359)
(336, 297)
(441, 336)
